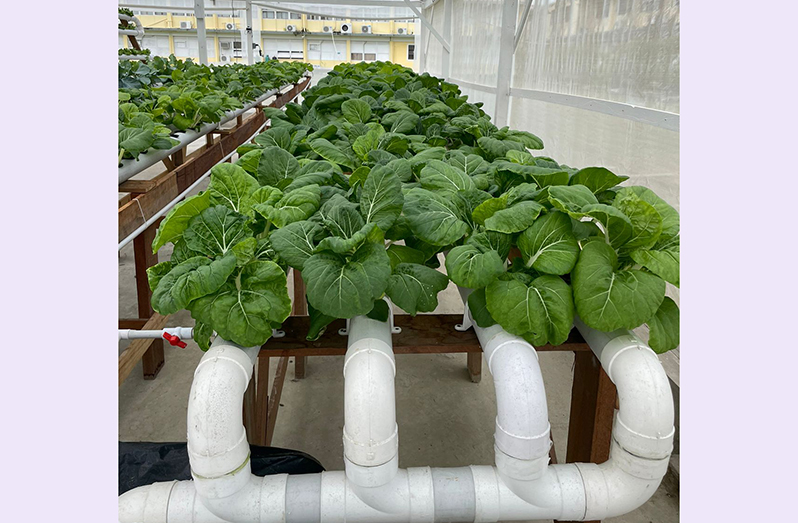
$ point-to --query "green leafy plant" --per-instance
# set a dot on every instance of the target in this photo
(125, 11)
(129, 51)
(377, 172)
(169, 95)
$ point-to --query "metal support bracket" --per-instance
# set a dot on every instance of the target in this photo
(426, 24)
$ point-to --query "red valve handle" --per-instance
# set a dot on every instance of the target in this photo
(174, 340)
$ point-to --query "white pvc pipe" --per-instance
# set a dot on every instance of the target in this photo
(643, 431)
(135, 334)
(523, 432)
(371, 436)
(224, 489)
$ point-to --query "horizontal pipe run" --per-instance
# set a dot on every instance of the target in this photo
(185, 333)
(418, 495)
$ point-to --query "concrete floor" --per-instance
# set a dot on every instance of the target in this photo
(444, 419)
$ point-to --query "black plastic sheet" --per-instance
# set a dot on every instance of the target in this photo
(143, 463)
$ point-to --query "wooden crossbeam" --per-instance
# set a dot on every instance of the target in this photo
(422, 334)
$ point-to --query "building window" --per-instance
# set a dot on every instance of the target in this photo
(268, 15)
(411, 51)
(358, 57)
(237, 45)
(370, 57)
(295, 16)
(314, 47)
(282, 15)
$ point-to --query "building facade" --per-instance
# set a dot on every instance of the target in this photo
(324, 41)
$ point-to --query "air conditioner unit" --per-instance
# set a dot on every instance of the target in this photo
(230, 26)
(327, 29)
(224, 58)
(346, 28)
(401, 31)
(366, 29)
(185, 25)
(290, 27)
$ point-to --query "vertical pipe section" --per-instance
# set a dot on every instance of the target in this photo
(642, 435)
(371, 436)
(523, 433)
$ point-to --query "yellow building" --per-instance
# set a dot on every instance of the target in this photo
(318, 40)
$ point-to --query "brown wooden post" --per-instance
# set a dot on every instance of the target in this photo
(593, 399)
(592, 409)
(153, 359)
(474, 364)
(274, 398)
(300, 308)
(261, 378)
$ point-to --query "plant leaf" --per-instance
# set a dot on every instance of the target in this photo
(473, 266)
(478, 305)
(664, 327)
(414, 287)
(381, 199)
(297, 205)
(244, 311)
(549, 245)
(515, 218)
(617, 226)
(596, 179)
(356, 111)
(432, 218)
(437, 175)
(277, 167)
(404, 254)
(192, 279)
(571, 198)
(669, 215)
(232, 186)
(662, 260)
(542, 311)
(176, 221)
(296, 241)
(607, 299)
(346, 288)
(215, 230)
(331, 153)
(646, 221)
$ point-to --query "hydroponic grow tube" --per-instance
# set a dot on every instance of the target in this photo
(131, 167)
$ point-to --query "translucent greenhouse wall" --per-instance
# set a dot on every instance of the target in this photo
(596, 80)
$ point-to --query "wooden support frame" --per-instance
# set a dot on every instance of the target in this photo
(144, 199)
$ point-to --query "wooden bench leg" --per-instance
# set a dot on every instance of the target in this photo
(261, 404)
(593, 399)
(153, 359)
(475, 366)
(300, 308)
(274, 399)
